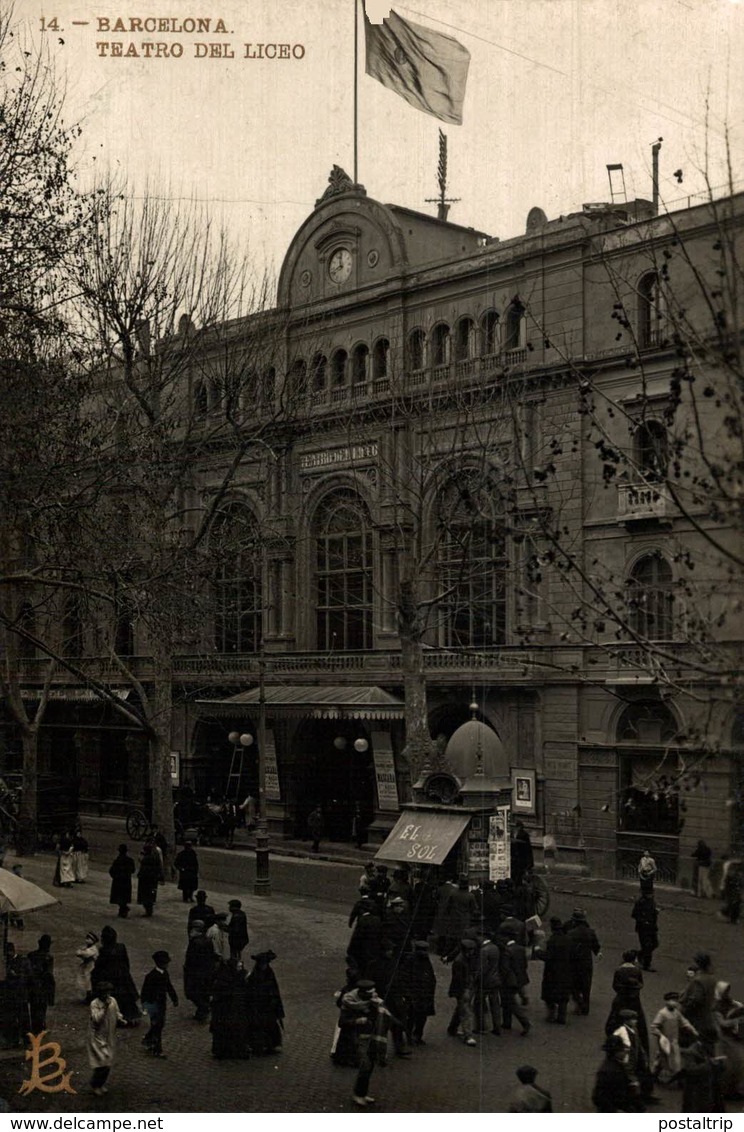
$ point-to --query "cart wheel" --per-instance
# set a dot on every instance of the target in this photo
(137, 825)
(542, 895)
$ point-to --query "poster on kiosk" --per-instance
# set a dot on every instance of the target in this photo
(499, 848)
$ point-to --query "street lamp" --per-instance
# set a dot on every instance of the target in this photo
(262, 883)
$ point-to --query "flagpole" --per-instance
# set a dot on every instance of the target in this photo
(356, 87)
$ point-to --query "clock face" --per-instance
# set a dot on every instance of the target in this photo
(339, 265)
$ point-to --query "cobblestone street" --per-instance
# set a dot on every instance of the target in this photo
(309, 937)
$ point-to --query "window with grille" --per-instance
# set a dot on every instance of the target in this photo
(472, 566)
(344, 577)
(239, 597)
(650, 598)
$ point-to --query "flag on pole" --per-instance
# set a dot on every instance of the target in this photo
(426, 68)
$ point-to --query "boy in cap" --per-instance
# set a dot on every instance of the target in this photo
(363, 1011)
(156, 990)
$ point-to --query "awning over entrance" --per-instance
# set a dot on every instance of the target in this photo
(313, 702)
(423, 837)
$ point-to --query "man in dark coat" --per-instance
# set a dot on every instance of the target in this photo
(637, 1065)
(584, 946)
(187, 865)
(156, 990)
(698, 1000)
(148, 878)
(522, 857)
(41, 987)
(491, 909)
(121, 873)
(557, 976)
(514, 978)
(15, 1017)
(264, 1007)
(701, 1080)
(646, 916)
(457, 911)
(424, 906)
(488, 995)
(613, 1091)
(421, 983)
(201, 911)
(199, 966)
(237, 929)
(365, 944)
(396, 928)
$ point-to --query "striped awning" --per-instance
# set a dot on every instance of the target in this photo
(311, 702)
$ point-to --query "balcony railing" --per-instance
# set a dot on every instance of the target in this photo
(642, 501)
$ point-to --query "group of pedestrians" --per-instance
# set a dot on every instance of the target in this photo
(151, 873)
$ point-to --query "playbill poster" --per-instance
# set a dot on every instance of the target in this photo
(346, 349)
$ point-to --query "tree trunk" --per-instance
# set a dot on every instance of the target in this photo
(418, 741)
(161, 784)
(26, 836)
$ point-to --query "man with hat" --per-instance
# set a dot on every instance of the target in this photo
(237, 929)
(365, 945)
(187, 864)
(104, 1015)
(156, 990)
(556, 981)
(584, 945)
(613, 1091)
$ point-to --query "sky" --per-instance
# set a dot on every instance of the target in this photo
(557, 89)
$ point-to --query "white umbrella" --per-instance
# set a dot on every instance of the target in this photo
(17, 896)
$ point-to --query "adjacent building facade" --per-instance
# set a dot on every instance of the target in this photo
(491, 457)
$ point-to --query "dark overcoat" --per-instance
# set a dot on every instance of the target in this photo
(147, 879)
(121, 873)
(187, 864)
(199, 967)
(557, 976)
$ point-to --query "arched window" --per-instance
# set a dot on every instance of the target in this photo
(417, 350)
(359, 362)
(123, 627)
(651, 312)
(490, 332)
(236, 546)
(650, 450)
(464, 340)
(380, 353)
(515, 326)
(338, 367)
(319, 373)
(26, 621)
(201, 400)
(343, 577)
(472, 563)
(650, 598)
(440, 345)
(296, 383)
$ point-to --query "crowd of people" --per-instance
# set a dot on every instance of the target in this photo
(403, 923)
(409, 930)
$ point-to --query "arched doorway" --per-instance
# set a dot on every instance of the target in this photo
(334, 773)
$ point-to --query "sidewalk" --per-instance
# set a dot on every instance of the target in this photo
(565, 883)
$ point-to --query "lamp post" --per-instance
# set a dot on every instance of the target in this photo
(262, 884)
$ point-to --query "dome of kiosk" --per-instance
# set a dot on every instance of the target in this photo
(462, 752)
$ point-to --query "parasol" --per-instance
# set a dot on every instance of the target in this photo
(18, 896)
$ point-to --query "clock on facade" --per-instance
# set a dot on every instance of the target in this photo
(339, 265)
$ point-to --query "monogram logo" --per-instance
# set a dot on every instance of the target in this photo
(47, 1068)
